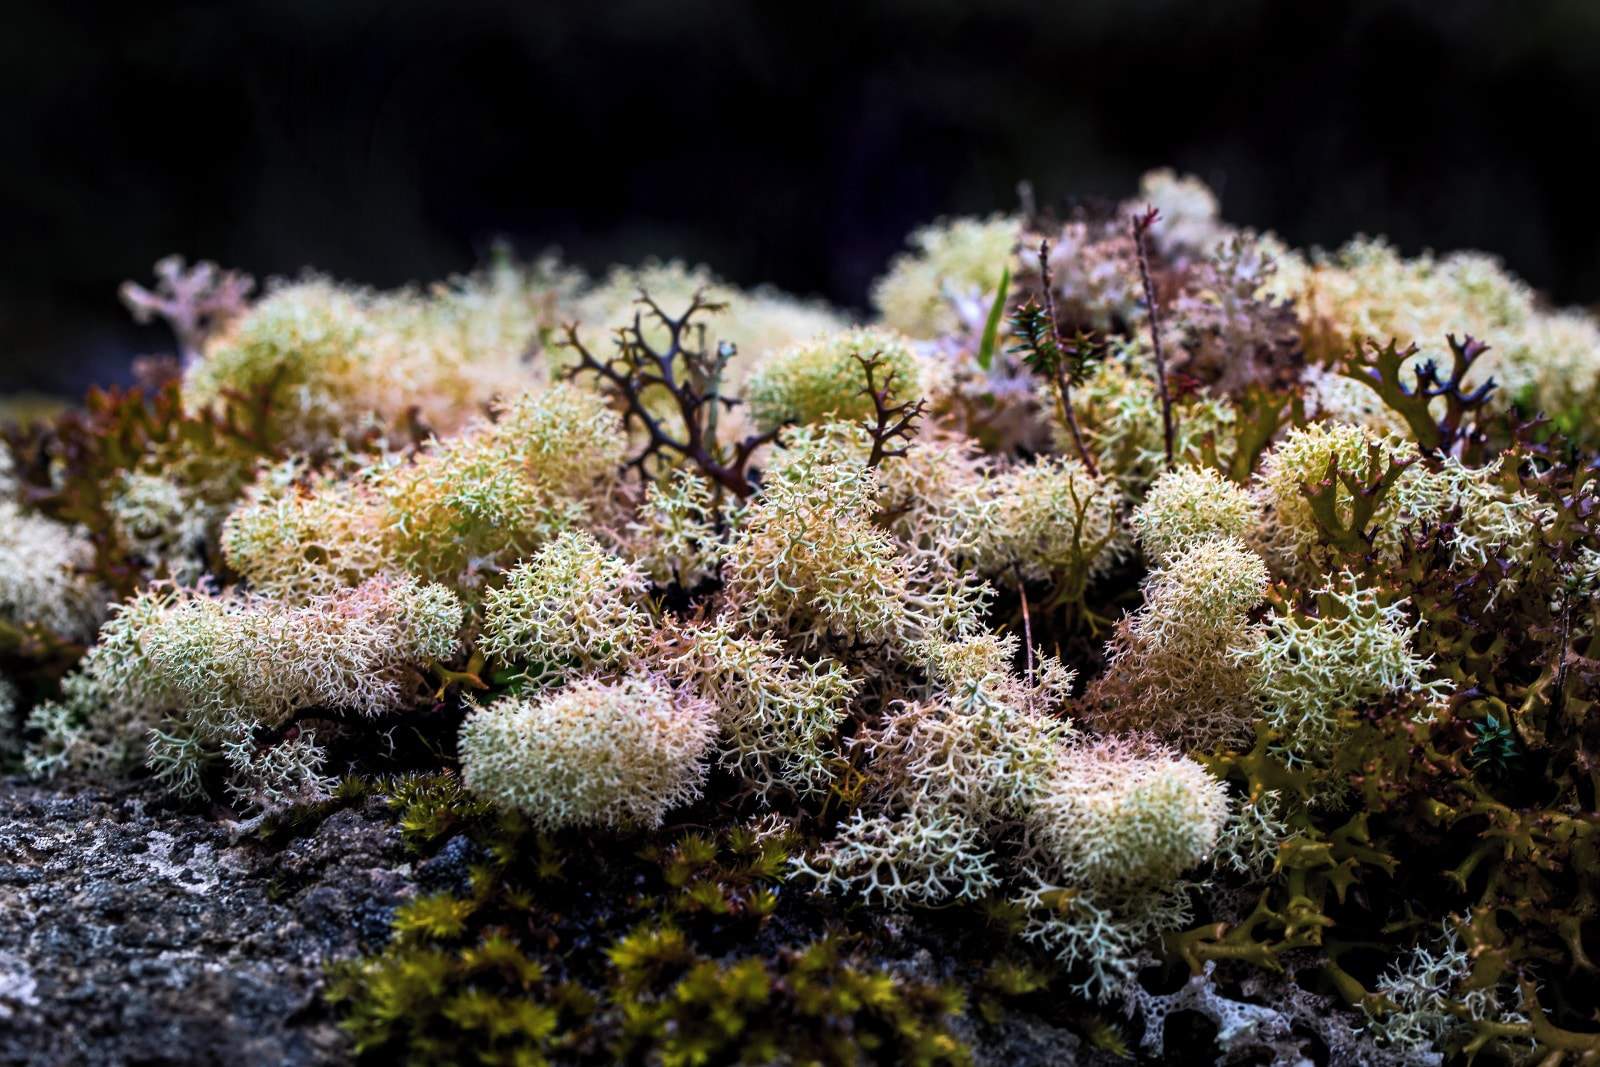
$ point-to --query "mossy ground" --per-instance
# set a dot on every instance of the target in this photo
(680, 946)
(1202, 645)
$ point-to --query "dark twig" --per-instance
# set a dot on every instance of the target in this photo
(889, 421)
(690, 374)
(1141, 225)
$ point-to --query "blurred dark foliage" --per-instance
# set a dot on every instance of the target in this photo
(791, 143)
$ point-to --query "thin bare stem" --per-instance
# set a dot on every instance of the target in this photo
(1559, 695)
(1025, 200)
(1141, 224)
(1062, 382)
(1027, 620)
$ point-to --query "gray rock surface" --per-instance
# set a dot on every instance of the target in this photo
(131, 934)
(134, 935)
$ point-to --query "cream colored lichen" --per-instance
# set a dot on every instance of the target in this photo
(594, 753)
(573, 606)
(951, 260)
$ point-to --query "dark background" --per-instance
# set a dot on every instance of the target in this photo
(787, 142)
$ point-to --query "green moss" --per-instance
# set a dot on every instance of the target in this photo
(432, 807)
(809, 1004)
(456, 985)
(483, 1004)
(440, 917)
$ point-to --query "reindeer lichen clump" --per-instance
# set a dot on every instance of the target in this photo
(570, 607)
(613, 753)
(1136, 598)
(824, 379)
(41, 575)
